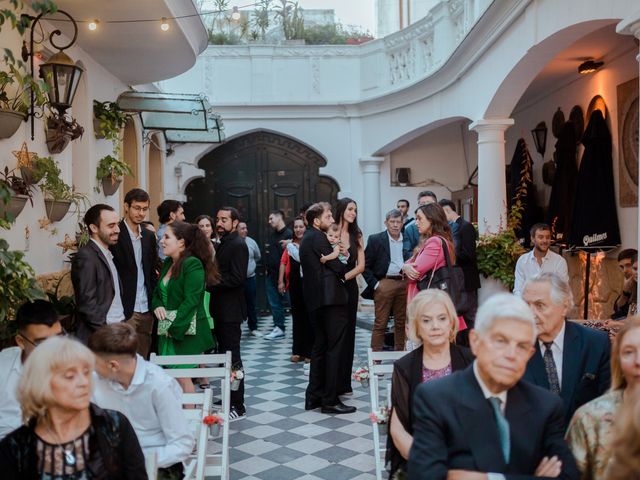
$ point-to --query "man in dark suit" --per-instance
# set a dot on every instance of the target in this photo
(571, 361)
(228, 306)
(385, 284)
(326, 297)
(485, 422)
(95, 279)
(136, 259)
(464, 239)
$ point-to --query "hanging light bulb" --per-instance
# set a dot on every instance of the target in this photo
(235, 15)
(93, 24)
(164, 26)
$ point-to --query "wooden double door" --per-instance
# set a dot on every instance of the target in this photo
(258, 173)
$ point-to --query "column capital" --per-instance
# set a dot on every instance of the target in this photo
(371, 164)
(492, 124)
(630, 25)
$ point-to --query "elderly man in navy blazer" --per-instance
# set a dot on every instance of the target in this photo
(484, 422)
(571, 361)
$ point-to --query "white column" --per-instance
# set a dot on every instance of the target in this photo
(492, 188)
(371, 194)
(631, 26)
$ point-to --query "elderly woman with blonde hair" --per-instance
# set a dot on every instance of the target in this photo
(432, 324)
(65, 436)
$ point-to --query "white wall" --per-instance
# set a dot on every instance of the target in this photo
(530, 111)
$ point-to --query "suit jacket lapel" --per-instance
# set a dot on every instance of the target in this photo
(480, 426)
(386, 248)
(571, 362)
(125, 238)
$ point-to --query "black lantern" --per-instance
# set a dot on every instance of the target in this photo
(62, 77)
(540, 138)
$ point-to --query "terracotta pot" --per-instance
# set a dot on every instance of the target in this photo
(56, 209)
(109, 187)
(29, 176)
(14, 207)
(10, 122)
(96, 129)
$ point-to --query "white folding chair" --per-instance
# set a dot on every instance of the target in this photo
(203, 464)
(380, 371)
(151, 465)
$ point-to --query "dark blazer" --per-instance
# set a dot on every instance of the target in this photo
(465, 243)
(322, 284)
(112, 438)
(586, 367)
(454, 428)
(125, 261)
(410, 239)
(377, 256)
(93, 288)
(227, 302)
(407, 375)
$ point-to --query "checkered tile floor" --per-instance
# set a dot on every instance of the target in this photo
(279, 440)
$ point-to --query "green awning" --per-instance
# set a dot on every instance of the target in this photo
(183, 118)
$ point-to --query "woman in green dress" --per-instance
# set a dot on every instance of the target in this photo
(178, 298)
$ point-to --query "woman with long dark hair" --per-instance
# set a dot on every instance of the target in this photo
(178, 298)
(290, 279)
(351, 244)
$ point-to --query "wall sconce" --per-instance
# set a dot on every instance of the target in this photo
(540, 138)
(60, 73)
(589, 66)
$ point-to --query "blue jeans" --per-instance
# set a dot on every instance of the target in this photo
(250, 298)
(276, 302)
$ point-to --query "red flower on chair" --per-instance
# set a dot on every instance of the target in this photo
(212, 420)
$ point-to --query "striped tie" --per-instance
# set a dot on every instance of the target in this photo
(503, 428)
(550, 367)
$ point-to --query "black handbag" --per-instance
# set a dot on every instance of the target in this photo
(449, 278)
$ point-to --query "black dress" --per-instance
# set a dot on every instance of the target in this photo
(344, 378)
(302, 330)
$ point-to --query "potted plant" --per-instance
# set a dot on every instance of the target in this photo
(20, 193)
(60, 130)
(213, 422)
(108, 120)
(110, 171)
(58, 196)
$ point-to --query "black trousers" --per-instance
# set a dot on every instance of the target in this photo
(346, 366)
(329, 349)
(228, 338)
(462, 338)
(302, 329)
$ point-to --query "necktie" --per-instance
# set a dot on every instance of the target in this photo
(503, 427)
(550, 367)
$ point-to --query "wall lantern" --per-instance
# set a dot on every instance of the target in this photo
(589, 66)
(540, 138)
(59, 72)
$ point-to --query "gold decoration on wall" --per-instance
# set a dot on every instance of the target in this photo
(24, 156)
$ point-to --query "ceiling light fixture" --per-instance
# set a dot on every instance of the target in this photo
(235, 15)
(164, 26)
(589, 66)
(93, 24)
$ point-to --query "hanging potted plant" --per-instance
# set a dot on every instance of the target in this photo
(108, 120)
(58, 196)
(60, 130)
(19, 193)
(110, 172)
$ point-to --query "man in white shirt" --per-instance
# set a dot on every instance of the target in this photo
(385, 283)
(36, 321)
(250, 283)
(144, 393)
(540, 259)
(484, 422)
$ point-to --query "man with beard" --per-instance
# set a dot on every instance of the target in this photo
(136, 259)
(94, 275)
(228, 306)
(540, 259)
(326, 297)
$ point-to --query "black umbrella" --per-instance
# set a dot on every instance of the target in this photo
(563, 190)
(595, 220)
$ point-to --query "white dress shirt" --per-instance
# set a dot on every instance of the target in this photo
(116, 310)
(395, 250)
(142, 303)
(10, 374)
(557, 348)
(153, 405)
(528, 266)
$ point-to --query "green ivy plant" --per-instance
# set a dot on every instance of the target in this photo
(52, 185)
(111, 120)
(112, 168)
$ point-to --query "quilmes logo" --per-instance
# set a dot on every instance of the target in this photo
(595, 238)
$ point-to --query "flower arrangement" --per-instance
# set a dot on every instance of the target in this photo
(214, 422)
(237, 374)
(362, 375)
(380, 416)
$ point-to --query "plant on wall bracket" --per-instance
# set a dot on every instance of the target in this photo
(109, 120)
(59, 196)
(110, 171)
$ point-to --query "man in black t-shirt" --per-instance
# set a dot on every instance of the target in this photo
(273, 252)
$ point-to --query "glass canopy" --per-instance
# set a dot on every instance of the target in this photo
(183, 118)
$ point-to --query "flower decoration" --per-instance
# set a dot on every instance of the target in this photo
(361, 374)
(212, 420)
(380, 415)
(237, 373)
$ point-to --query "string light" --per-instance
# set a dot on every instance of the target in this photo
(235, 15)
(164, 26)
(93, 24)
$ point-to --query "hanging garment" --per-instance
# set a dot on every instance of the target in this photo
(563, 190)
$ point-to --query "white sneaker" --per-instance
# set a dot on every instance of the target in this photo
(276, 334)
(256, 333)
(306, 369)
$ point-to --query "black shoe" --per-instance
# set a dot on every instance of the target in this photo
(338, 409)
(312, 404)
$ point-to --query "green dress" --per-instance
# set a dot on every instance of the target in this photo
(184, 293)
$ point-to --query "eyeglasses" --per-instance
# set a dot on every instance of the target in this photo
(139, 209)
(35, 343)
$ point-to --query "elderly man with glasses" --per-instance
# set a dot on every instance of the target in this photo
(36, 321)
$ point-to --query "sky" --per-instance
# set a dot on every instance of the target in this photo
(348, 12)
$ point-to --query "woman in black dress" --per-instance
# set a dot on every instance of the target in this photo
(351, 243)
